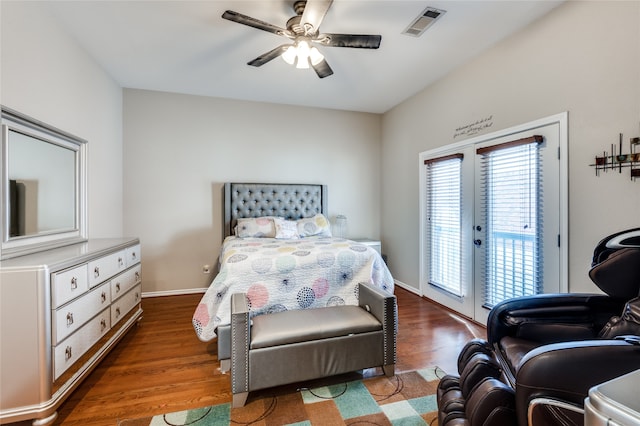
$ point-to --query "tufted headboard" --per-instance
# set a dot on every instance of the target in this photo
(289, 200)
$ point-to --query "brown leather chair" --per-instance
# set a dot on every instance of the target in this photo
(543, 353)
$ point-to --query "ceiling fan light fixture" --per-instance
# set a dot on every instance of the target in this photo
(303, 54)
(315, 56)
(302, 64)
(304, 31)
(290, 54)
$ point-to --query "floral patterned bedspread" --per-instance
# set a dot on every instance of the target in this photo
(280, 275)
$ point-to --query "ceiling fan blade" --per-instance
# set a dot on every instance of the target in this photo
(314, 13)
(272, 54)
(361, 41)
(255, 23)
(322, 69)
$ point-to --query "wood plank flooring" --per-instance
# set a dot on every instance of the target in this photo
(161, 366)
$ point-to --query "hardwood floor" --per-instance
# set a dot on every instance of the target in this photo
(161, 366)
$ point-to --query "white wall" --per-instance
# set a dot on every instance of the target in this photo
(584, 58)
(180, 149)
(46, 75)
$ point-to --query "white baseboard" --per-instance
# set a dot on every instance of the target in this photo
(173, 292)
(408, 287)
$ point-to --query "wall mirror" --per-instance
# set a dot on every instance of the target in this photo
(43, 187)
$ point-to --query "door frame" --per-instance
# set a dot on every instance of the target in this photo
(561, 119)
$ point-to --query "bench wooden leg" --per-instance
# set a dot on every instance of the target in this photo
(239, 399)
(225, 365)
(389, 370)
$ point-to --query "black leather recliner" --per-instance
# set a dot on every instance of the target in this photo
(543, 353)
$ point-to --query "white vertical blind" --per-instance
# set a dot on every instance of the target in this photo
(443, 227)
(511, 212)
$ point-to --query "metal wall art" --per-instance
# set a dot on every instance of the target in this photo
(617, 160)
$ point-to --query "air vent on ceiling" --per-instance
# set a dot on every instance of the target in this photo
(424, 21)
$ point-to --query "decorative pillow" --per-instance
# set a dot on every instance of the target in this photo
(258, 227)
(286, 229)
(317, 225)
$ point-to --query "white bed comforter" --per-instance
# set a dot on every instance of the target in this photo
(282, 275)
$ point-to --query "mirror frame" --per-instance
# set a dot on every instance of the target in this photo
(26, 244)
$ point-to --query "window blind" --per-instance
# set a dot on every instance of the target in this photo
(511, 212)
(444, 237)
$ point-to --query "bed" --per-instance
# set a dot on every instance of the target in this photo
(279, 250)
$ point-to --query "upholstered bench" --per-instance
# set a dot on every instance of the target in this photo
(293, 346)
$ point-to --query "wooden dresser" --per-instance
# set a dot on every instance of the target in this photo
(61, 311)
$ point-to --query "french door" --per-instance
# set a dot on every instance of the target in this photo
(493, 217)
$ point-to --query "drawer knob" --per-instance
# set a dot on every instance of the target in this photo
(134, 256)
(137, 276)
(67, 353)
(137, 296)
(96, 272)
(103, 324)
(103, 297)
(74, 283)
(120, 261)
(117, 312)
(117, 287)
(69, 319)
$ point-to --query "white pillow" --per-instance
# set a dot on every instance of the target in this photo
(317, 225)
(286, 229)
(258, 227)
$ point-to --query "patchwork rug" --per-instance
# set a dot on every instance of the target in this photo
(407, 399)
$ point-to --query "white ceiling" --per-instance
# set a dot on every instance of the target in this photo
(186, 47)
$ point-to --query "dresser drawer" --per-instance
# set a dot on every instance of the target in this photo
(123, 305)
(123, 282)
(133, 255)
(72, 348)
(106, 267)
(66, 285)
(71, 317)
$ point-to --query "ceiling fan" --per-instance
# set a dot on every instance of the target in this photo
(303, 32)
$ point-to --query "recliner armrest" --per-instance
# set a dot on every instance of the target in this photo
(566, 371)
(550, 318)
(382, 305)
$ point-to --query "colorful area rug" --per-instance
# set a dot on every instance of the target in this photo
(407, 399)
